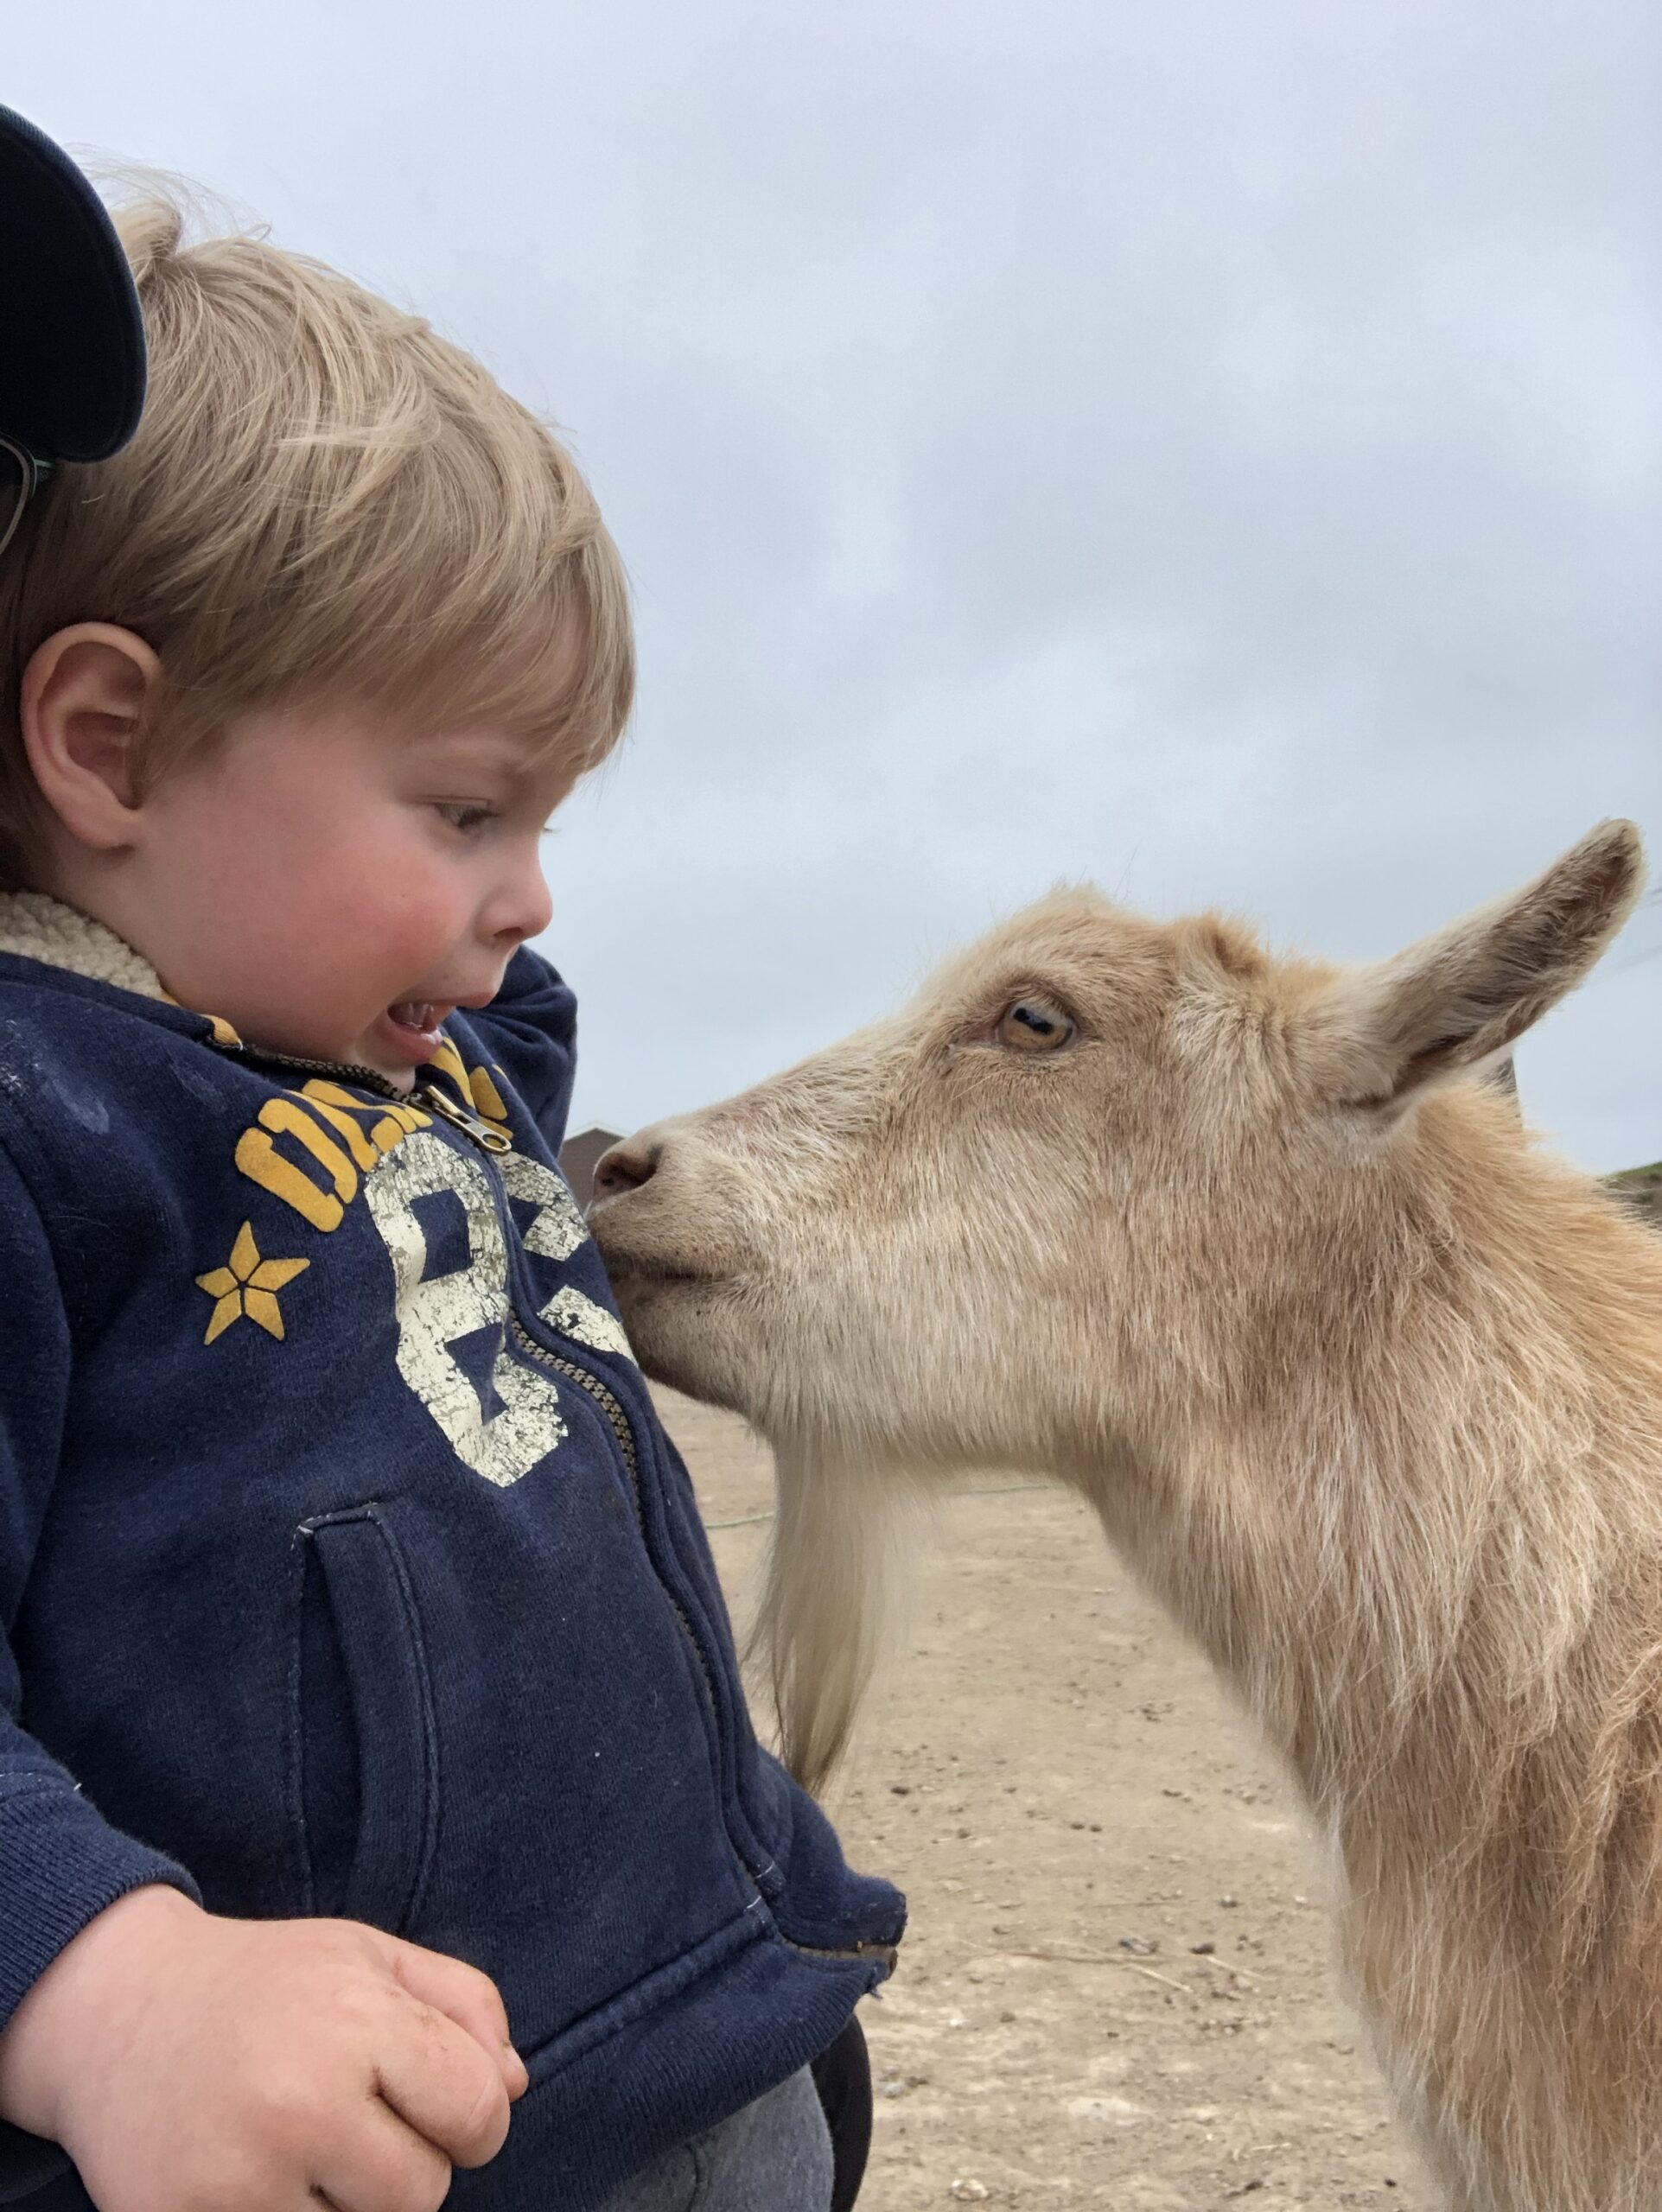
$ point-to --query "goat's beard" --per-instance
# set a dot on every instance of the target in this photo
(847, 1535)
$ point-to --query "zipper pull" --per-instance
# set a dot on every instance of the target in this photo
(484, 1135)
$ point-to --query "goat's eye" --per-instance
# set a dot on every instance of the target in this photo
(1033, 1026)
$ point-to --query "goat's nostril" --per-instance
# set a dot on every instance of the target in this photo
(625, 1168)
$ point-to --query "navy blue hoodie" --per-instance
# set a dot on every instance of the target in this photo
(345, 1568)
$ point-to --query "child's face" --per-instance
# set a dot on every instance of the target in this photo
(335, 886)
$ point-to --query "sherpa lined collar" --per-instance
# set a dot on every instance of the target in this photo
(37, 927)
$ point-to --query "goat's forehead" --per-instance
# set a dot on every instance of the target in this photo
(1076, 936)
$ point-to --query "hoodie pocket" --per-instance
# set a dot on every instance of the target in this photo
(366, 1752)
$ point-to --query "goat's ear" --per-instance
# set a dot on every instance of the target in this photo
(1380, 1035)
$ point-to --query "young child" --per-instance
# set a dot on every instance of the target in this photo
(369, 1699)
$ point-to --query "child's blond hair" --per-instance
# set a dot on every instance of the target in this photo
(324, 501)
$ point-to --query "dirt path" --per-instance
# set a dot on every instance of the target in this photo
(1115, 1989)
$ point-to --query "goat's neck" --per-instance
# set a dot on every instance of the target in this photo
(1397, 1550)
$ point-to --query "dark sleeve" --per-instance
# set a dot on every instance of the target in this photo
(530, 1031)
(60, 1862)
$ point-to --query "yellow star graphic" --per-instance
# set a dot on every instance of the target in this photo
(246, 1287)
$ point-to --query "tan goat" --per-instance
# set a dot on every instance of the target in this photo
(1362, 1385)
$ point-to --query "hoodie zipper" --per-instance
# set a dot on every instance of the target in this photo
(619, 1422)
(366, 1079)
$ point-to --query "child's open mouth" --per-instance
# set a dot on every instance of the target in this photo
(415, 1023)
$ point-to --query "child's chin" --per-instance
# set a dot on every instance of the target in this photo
(404, 1075)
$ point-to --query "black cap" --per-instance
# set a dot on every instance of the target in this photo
(72, 337)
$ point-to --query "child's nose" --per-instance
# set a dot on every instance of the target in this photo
(522, 907)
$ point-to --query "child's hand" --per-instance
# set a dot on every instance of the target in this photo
(189, 2063)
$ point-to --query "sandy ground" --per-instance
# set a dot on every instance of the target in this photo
(1116, 1990)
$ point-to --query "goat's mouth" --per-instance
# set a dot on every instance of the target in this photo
(641, 1263)
(640, 1273)
(656, 1274)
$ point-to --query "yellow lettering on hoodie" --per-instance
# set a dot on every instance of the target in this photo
(260, 1160)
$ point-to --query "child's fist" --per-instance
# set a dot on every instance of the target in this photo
(189, 2063)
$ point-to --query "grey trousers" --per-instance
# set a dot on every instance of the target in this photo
(775, 2155)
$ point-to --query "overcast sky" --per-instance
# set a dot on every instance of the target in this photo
(1208, 446)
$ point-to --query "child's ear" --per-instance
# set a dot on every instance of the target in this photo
(82, 703)
(1380, 1036)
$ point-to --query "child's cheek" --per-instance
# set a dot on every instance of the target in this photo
(398, 920)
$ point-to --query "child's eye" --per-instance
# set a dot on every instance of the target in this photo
(462, 817)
